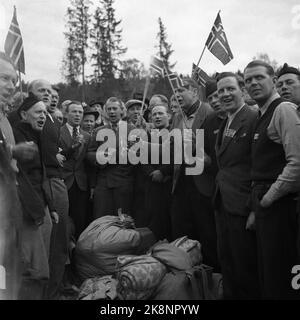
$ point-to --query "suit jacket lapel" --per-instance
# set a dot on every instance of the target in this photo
(200, 117)
(220, 136)
(235, 126)
(66, 136)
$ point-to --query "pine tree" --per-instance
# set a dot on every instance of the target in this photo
(163, 46)
(133, 69)
(77, 35)
(71, 66)
(106, 39)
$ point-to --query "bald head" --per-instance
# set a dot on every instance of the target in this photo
(42, 89)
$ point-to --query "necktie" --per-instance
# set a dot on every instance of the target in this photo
(225, 130)
(75, 133)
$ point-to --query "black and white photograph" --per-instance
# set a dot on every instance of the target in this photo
(149, 152)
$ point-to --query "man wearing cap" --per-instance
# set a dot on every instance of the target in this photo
(135, 114)
(192, 212)
(75, 142)
(97, 106)
(37, 224)
(288, 84)
(236, 240)
(89, 119)
(275, 178)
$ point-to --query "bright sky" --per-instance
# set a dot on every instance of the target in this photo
(271, 26)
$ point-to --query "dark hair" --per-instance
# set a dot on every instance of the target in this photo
(187, 81)
(4, 57)
(260, 63)
(238, 78)
(56, 88)
(72, 102)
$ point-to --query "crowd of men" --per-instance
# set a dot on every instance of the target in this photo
(243, 208)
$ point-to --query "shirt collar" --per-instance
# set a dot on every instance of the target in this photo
(71, 127)
(265, 107)
(115, 125)
(232, 116)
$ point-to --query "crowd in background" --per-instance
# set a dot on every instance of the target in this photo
(242, 208)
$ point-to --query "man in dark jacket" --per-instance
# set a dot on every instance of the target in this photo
(56, 188)
(192, 211)
(36, 232)
(114, 181)
(10, 207)
(158, 183)
(75, 142)
(236, 241)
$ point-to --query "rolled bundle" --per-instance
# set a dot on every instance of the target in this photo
(138, 276)
(192, 247)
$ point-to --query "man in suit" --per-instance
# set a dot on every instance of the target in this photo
(114, 181)
(211, 128)
(74, 142)
(236, 241)
(192, 213)
(10, 207)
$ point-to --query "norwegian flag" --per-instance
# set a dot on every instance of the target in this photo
(157, 65)
(217, 42)
(200, 76)
(14, 44)
(175, 81)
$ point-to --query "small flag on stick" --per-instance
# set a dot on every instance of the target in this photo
(200, 76)
(175, 80)
(14, 44)
(217, 42)
(157, 65)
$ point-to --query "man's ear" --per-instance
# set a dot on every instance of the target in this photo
(275, 79)
(195, 92)
(23, 115)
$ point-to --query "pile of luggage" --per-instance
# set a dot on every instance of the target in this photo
(117, 261)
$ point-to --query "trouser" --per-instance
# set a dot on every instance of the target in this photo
(10, 238)
(59, 237)
(277, 234)
(78, 205)
(35, 255)
(192, 215)
(107, 201)
(237, 256)
(10, 263)
(157, 208)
